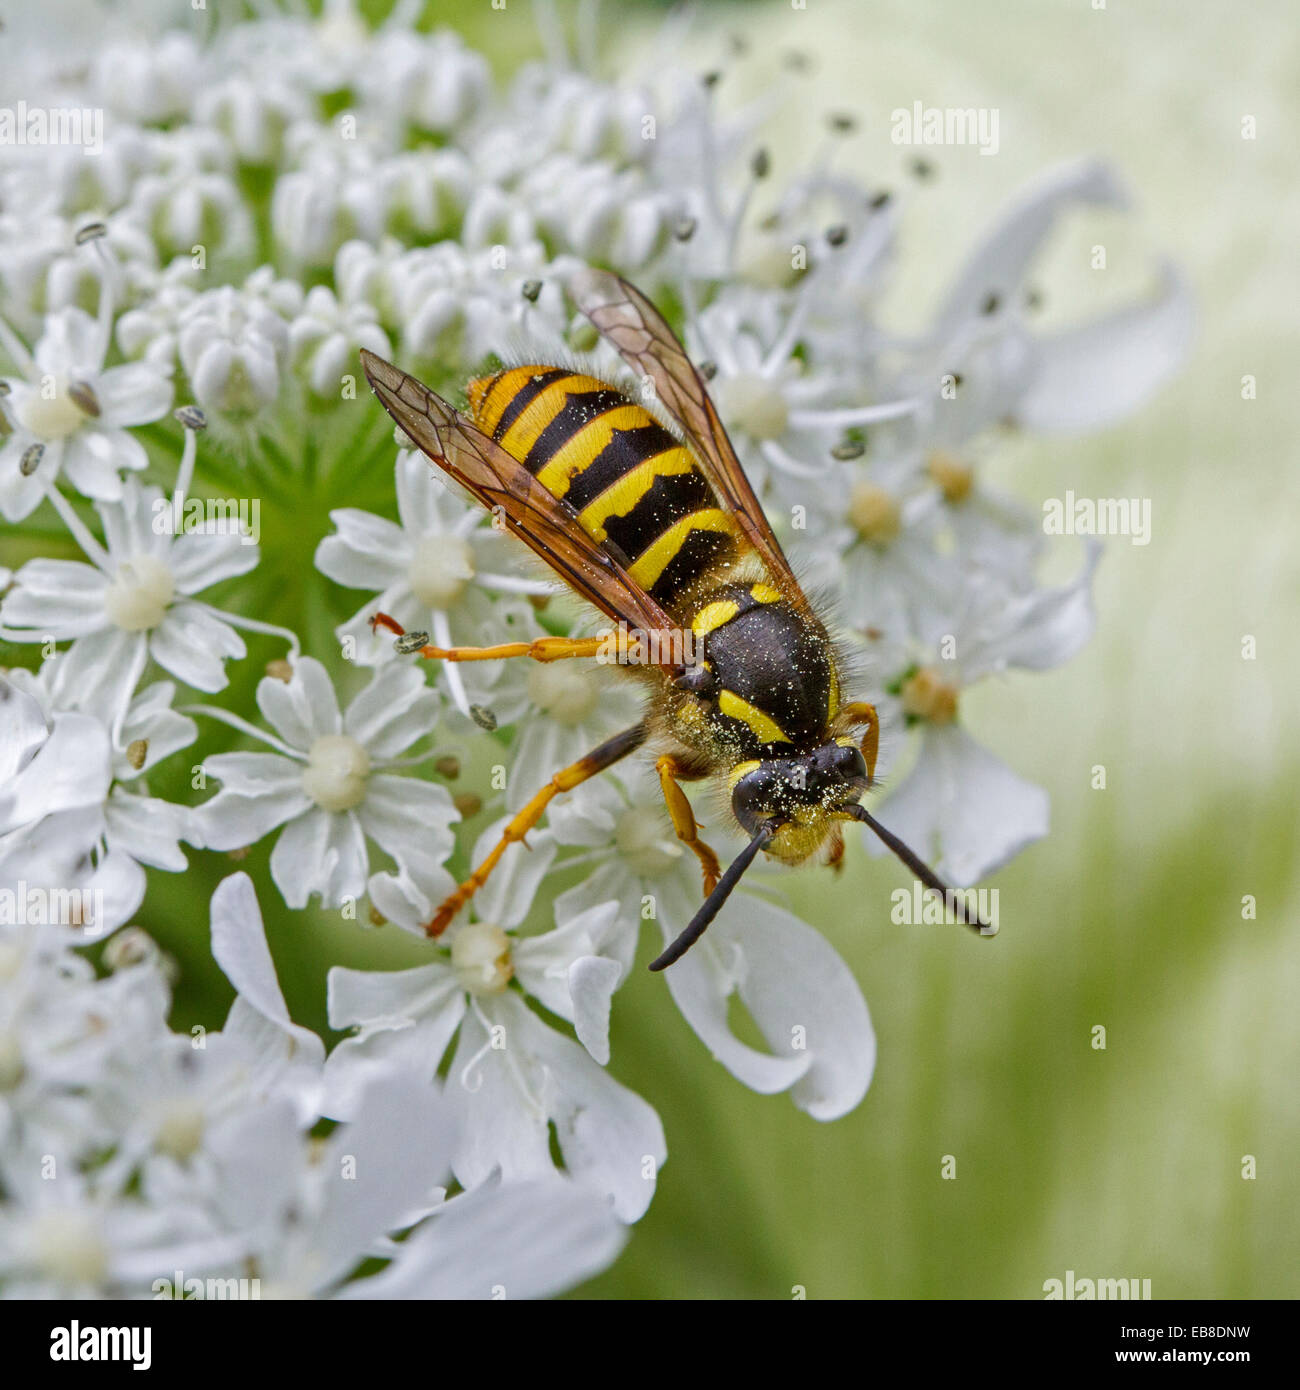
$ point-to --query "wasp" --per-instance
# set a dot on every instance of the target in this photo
(660, 530)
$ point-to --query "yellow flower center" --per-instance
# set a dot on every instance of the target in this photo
(927, 696)
(563, 692)
(874, 514)
(336, 772)
(138, 597)
(480, 956)
(181, 1131)
(767, 261)
(50, 413)
(644, 845)
(68, 1247)
(954, 478)
(12, 1068)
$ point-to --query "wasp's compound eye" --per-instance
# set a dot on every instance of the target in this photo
(752, 798)
(841, 763)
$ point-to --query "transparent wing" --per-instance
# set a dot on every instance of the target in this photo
(505, 487)
(644, 340)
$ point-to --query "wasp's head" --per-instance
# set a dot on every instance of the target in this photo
(792, 807)
(803, 797)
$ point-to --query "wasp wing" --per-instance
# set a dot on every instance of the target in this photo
(506, 488)
(624, 316)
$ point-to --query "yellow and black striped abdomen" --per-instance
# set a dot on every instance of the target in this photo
(633, 488)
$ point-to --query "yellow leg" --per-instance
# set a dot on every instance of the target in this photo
(565, 780)
(858, 714)
(543, 649)
(684, 820)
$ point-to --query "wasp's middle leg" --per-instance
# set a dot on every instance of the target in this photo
(679, 808)
(606, 755)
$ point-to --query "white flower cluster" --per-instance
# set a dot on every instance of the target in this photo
(140, 1163)
(267, 203)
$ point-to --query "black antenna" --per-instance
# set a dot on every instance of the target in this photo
(922, 870)
(711, 905)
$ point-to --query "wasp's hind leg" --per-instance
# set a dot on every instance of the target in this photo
(543, 649)
(679, 808)
(606, 755)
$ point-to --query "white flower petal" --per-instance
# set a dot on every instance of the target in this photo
(409, 897)
(961, 809)
(259, 1014)
(498, 1129)
(1090, 377)
(265, 791)
(804, 999)
(395, 709)
(608, 1135)
(704, 979)
(302, 709)
(150, 718)
(520, 1240)
(257, 774)
(19, 495)
(323, 853)
(134, 394)
(368, 552)
(575, 969)
(64, 598)
(239, 947)
(397, 1146)
(99, 672)
(407, 1020)
(70, 769)
(1035, 631)
(592, 982)
(194, 646)
(70, 344)
(410, 819)
(24, 729)
(147, 828)
(93, 460)
(1006, 252)
(197, 561)
(117, 887)
(386, 999)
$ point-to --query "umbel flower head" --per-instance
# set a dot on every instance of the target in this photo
(270, 198)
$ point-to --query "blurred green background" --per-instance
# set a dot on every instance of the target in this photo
(1118, 1163)
(1125, 1162)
